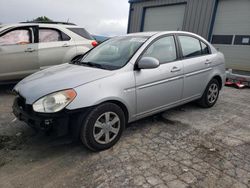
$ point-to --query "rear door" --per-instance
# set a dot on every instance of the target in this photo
(55, 47)
(18, 53)
(197, 60)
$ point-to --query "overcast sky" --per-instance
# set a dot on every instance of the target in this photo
(104, 17)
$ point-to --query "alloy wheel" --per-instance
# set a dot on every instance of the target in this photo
(106, 127)
(213, 92)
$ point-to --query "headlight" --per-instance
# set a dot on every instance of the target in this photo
(54, 102)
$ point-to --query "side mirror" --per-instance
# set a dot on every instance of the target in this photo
(148, 63)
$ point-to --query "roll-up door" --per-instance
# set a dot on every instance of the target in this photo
(164, 18)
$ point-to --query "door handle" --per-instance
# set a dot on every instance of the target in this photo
(65, 45)
(208, 62)
(29, 50)
(175, 69)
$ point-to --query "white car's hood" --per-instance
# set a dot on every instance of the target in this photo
(65, 76)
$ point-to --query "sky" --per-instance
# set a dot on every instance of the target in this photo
(101, 17)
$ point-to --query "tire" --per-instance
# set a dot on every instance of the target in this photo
(102, 127)
(210, 95)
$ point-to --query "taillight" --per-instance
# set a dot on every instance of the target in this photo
(94, 43)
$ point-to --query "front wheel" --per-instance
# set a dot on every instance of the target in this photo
(210, 95)
(103, 127)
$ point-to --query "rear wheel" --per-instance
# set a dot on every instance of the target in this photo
(103, 127)
(210, 95)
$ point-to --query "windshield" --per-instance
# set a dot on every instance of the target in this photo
(114, 53)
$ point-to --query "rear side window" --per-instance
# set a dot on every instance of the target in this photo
(190, 46)
(52, 35)
(18, 36)
(82, 32)
(163, 49)
(204, 48)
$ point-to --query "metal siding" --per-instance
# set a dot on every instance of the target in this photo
(211, 8)
(203, 16)
(193, 15)
(197, 19)
(198, 16)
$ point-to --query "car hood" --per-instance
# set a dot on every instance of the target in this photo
(57, 78)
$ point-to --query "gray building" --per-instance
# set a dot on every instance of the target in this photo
(226, 23)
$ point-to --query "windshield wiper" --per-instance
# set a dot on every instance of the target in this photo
(76, 62)
(90, 64)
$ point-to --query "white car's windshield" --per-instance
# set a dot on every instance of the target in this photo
(114, 53)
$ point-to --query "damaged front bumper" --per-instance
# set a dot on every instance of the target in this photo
(56, 122)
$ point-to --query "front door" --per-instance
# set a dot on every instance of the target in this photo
(161, 87)
(18, 54)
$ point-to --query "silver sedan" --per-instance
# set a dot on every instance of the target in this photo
(120, 81)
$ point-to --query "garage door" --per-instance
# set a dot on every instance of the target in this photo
(231, 33)
(164, 18)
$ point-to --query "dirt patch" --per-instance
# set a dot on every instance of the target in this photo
(11, 142)
(4, 140)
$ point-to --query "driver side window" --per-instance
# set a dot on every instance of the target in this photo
(16, 37)
(163, 49)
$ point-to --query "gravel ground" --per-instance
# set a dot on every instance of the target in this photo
(184, 147)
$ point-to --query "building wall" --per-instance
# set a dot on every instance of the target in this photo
(199, 14)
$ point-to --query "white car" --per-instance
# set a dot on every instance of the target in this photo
(29, 47)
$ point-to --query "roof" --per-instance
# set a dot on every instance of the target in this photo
(146, 34)
(158, 33)
(136, 1)
(40, 24)
(44, 22)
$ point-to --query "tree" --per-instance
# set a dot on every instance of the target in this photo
(42, 19)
